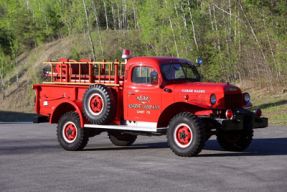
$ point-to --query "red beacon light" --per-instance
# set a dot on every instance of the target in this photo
(229, 114)
(126, 54)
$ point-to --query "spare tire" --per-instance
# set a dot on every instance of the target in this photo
(99, 104)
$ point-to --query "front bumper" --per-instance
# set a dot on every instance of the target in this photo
(242, 120)
(260, 123)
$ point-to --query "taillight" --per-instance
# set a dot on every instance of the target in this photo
(228, 114)
(258, 112)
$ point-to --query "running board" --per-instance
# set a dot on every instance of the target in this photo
(126, 127)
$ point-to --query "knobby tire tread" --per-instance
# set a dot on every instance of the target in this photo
(83, 134)
(110, 104)
(126, 141)
(243, 142)
(198, 125)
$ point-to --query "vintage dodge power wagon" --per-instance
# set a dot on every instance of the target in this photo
(150, 96)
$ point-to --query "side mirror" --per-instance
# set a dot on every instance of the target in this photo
(198, 61)
(154, 78)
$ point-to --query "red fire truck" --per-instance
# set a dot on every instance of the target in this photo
(151, 96)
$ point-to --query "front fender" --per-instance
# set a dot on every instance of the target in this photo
(201, 105)
(178, 107)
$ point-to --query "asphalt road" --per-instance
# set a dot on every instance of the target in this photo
(32, 160)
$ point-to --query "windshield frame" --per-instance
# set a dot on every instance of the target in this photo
(194, 69)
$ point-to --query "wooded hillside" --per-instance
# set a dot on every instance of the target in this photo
(238, 40)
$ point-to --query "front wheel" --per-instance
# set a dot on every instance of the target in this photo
(186, 135)
(235, 140)
(70, 134)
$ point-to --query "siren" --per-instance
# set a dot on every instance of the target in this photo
(126, 54)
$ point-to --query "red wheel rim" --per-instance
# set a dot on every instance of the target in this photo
(183, 135)
(232, 138)
(120, 136)
(70, 132)
(96, 104)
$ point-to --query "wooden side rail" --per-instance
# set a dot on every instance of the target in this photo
(66, 72)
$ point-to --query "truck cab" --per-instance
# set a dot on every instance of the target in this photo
(151, 96)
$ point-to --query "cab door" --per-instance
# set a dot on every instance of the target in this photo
(142, 94)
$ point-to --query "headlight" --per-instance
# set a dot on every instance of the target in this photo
(246, 97)
(212, 99)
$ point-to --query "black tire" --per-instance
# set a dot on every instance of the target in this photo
(99, 104)
(70, 134)
(235, 140)
(119, 139)
(94, 132)
(190, 141)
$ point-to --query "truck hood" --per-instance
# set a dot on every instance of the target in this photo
(206, 88)
(200, 92)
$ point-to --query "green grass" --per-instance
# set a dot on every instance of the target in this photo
(274, 107)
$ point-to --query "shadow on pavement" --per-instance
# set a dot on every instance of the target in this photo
(10, 116)
(27, 146)
(132, 147)
(258, 147)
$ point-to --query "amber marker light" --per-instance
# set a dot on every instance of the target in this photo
(258, 112)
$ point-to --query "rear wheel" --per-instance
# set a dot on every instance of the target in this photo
(235, 140)
(94, 132)
(70, 134)
(121, 139)
(186, 135)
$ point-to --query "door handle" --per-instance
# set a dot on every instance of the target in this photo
(130, 93)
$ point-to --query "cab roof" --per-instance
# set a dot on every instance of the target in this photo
(156, 61)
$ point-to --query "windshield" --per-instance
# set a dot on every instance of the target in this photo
(176, 71)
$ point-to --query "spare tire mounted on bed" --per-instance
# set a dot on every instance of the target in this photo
(99, 104)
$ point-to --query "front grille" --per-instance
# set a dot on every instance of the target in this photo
(233, 101)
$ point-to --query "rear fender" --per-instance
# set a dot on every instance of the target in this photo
(179, 107)
(65, 107)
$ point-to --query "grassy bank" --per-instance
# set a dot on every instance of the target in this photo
(273, 105)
